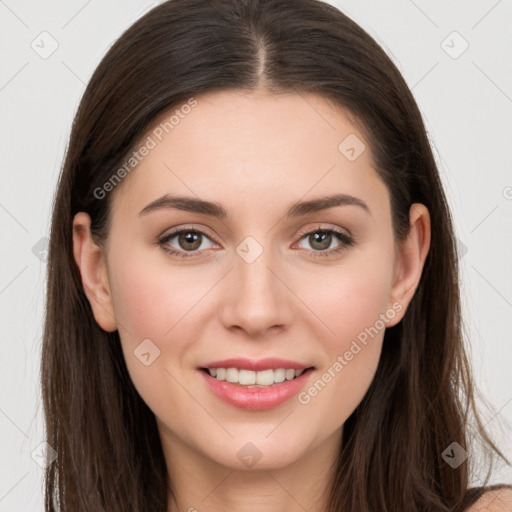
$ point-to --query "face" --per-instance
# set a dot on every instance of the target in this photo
(303, 286)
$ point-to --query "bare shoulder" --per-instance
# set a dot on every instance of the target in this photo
(499, 500)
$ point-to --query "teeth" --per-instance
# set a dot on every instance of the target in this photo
(289, 374)
(246, 377)
(262, 378)
(232, 375)
(279, 375)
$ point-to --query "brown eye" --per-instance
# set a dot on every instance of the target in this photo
(189, 240)
(185, 242)
(320, 240)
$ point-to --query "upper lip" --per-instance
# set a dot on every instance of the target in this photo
(269, 363)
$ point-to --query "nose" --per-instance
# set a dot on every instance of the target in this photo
(257, 298)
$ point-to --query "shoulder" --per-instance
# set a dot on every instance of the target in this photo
(498, 500)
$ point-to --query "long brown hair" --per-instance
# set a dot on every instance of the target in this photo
(422, 397)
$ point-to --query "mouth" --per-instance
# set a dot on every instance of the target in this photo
(255, 379)
(258, 388)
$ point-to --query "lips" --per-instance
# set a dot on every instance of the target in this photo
(256, 397)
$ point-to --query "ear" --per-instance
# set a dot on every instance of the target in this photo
(93, 269)
(410, 258)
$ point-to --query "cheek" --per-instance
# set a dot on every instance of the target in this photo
(153, 302)
(353, 304)
(351, 359)
(150, 298)
(354, 298)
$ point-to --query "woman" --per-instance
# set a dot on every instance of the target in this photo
(253, 294)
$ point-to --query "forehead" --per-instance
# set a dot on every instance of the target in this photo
(253, 146)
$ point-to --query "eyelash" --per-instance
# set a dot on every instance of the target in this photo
(345, 239)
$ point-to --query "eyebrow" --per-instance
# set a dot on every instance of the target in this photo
(191, 204)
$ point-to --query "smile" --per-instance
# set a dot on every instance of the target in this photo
(255, 385)
(264, 378)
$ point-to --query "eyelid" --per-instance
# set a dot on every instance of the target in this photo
(320, 226)
(179, 229)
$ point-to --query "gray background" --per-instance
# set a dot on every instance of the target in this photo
(466, 100)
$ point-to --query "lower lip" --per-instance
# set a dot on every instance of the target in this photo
(256, 399)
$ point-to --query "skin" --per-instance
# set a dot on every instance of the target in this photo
(256, 154)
